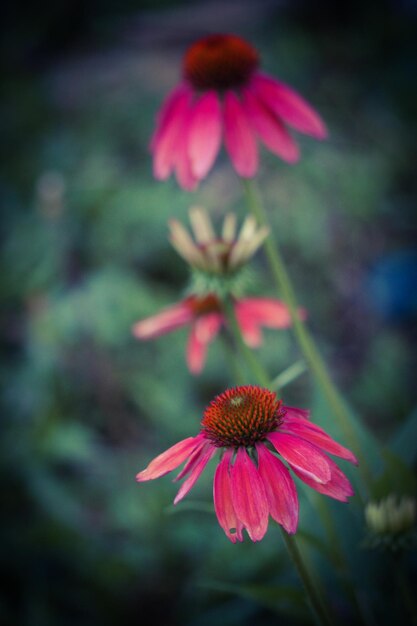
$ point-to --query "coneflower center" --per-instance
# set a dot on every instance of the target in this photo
(220, 62)
(202, 305)
(219, 250)
(241, 416)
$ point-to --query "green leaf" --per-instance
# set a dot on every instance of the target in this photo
(289, 375)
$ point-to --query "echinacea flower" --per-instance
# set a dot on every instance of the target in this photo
(257, 436)
(205, 315)
(224, 96)
(212, 254)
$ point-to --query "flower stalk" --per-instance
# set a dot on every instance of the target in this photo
(305, 340)
(316, 601)
(255, 366)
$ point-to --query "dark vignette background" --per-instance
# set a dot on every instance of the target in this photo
(85, 254)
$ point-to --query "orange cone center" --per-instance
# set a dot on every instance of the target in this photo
(241, 416)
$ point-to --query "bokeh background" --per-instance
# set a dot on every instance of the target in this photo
(85, 254)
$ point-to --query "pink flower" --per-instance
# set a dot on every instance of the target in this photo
(205, 316)
(255, 434)
(224, 96)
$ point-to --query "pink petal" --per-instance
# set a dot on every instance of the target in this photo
(239, 138)
(288, 105)
(248, 326)
(193, 459)
(265, 311)
(182, 163)
(270, 129)
(205, 133)
(169, 319)
(338, 487)
(280, 489)
(195, 473)
(303, 456)
(316, 435)
(170, 459)
(292, 411)
(222, 496)
(168, 141)
(204, 330)
(166, 112)
(248, 495)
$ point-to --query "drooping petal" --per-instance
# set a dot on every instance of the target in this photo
(195, 472)
(170, 459)
(169, 319)
(280, 489)
(193, 459)
(288, 105)
(181, 160)
(316, 435)
(165, 114)
(249, 327)
(302, 455)
(222, 496)
(248, 495)
(168, 136)
(203, 331)
(263, 311)
(205, 133)
(338, 487)
(270, 128)
(239, 137)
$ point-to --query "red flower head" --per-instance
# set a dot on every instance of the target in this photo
(256, 433)
(224, 96)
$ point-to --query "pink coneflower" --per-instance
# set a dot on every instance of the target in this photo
(255, 433)
(206, 317)
(223, 95)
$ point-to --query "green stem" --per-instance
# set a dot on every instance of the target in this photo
(255, 366)
(305, 340)
(262, 378)
(316, 601)
(234, 365)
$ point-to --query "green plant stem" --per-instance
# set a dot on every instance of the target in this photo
(255, 366)
(235, 365)
(262, 378)
(305, 340)
(315, 599)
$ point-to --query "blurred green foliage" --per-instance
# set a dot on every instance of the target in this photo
(85, 255)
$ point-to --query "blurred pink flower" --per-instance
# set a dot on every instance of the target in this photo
(205, 316)
(223, 95)
(255, 433)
